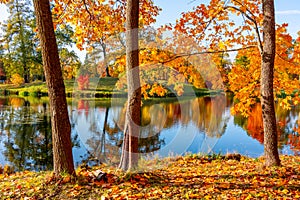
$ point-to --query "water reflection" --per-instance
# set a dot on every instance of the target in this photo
(26, 134)
(288, 122)
(173, 127)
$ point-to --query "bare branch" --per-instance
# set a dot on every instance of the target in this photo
(207, 52)
(87, 10)
(260, 45)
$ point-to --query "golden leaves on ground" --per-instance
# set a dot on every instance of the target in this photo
(189, 177)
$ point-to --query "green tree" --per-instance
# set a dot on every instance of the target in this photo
(20, 42)
(70, 62)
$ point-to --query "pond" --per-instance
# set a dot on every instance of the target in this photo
(172, 126)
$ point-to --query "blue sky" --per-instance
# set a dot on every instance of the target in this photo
(287, 11)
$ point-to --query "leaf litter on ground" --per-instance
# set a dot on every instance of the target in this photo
(185, 177)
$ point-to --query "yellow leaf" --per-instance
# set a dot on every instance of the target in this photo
(285, 191)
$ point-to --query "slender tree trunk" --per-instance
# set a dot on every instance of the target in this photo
(267, 96)
(61, 128)
(129, 157)
(105, 59)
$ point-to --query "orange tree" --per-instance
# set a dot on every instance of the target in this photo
(244, 77)
(214, 24)
(157, 77)
(99, 24)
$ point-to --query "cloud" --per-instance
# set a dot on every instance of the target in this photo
(288, 12)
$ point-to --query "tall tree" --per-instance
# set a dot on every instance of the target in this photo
(21, 54)
(267, 74)
(61, 129)
(213, 24)
(129, 157)
(97, 22)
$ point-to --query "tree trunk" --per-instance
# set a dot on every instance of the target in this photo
(105, 59)
(61, 128)
(267, 96)
(129, 157)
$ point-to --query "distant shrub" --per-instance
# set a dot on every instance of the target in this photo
(83, 82)
(24, 93)
(16, 79)
(6, 169)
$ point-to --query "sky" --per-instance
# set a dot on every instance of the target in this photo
(287, 11)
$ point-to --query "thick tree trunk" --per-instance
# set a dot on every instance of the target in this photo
(267, 96)
(61, 128)
(129, 157)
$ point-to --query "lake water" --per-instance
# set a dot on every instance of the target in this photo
(169, 127)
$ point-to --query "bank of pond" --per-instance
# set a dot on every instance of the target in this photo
(170, 127)
(98, 88)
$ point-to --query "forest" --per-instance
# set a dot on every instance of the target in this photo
(219, 51)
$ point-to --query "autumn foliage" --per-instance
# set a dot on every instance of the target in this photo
(17, 79)
(83, 82)
(97, 21)
(189, 177)
(214, 25)
(157, 77)
(244, 78)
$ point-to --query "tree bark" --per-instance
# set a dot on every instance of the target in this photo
(105, 59)
(61, 128)
(129, 157)
(267, 96)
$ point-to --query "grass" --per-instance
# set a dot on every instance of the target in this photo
(102, 87)
(98, 88)
(188, 177)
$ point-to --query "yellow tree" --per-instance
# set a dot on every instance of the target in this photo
(97, 22)
(214, 24)
(160, 73)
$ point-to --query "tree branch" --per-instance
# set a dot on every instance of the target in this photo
(260, 45)
(87, 10)
(206, 52)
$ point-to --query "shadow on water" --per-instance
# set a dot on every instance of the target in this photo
(194, 125)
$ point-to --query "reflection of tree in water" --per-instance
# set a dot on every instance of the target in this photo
(28, 136)
(156, 117)
(105, 143)
(206, 113)
(211, 118)
(107, 139)
(27, 127)
(287, 126)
